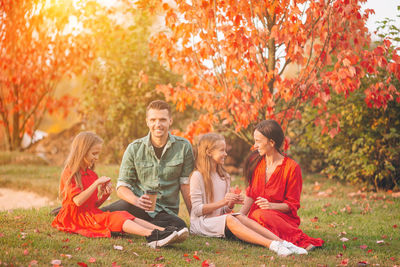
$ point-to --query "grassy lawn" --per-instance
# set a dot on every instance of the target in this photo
(369, 222)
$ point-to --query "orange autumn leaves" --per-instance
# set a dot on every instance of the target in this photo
(234, 58)
(35, 54)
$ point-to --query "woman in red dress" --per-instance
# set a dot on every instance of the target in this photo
(80, 187)
(275, 183)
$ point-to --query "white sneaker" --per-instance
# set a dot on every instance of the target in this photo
(182, 235)
(159, 238)
(280, 249)
(293, 248)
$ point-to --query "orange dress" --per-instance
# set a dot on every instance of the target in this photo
(87, 219)
(284, 186)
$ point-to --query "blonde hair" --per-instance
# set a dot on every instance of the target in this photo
(80, 146)
(206, 144)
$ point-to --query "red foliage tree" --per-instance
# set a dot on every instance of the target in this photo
(36, 51)
(234, 57)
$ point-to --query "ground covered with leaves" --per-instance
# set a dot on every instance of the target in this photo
(360, 229)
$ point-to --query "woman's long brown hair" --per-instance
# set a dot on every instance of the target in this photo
(271, 130)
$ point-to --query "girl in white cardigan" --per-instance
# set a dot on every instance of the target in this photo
(212, 202)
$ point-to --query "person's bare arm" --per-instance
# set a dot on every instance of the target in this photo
(126, 194)
(185, 190)
(248, 201)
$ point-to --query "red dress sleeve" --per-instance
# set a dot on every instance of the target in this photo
(69, 191)
(293, 189)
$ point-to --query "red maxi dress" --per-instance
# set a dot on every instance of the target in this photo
(284, 186)
(87, 219)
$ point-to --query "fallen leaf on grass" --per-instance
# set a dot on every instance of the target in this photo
(315, 219)
(33, 263)
(188, 260)
(55, 262)
(66, 240)
(344, 262)
(339, 255)
(160, 258)
(380, 241)
(342, 233)
(1, 234)
(327, 205)
(196, 257)
(393, 258)
(115, 264)
(362, 263)
(82, 264)
(363, 246)
(395, 226)
(135, 253)
(344, 239)
(92, 260)
(118, 247)
(26, 252)
(396, 195)
(369, 251)
(205, 264)
(185, 255)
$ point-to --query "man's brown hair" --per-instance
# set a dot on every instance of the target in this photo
(159, 105)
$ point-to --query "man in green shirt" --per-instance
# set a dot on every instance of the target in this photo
(161, 162)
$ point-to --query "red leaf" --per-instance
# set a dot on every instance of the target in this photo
(188, 260)
(369, 251)
(363, 246)
(339, 255)
(196, 257)
(185, 255)
(66, 240)
(92, 260)
(237, 190)
(393, 258)
(205, 264)
(115, 264)
(160, 258)
(344, 246)
(395, 226)
(344, 262)
(82, 264)
(26, 252)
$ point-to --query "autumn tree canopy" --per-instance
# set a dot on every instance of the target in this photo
(234, 57)
(122, 78)
(36, 51)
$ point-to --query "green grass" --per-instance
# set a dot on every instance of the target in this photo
(367, 219)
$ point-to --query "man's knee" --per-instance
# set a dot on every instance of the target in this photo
(178, 222)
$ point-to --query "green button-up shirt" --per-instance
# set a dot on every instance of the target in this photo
(141, 170)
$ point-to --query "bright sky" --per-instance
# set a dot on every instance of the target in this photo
(383, 9)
